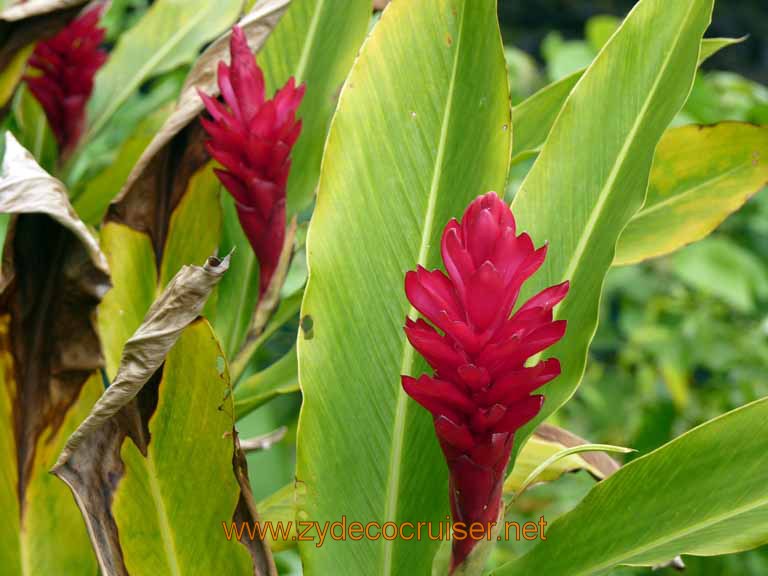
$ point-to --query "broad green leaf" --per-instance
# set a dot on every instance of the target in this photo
(178, 512)
(134, 286)
(532, 119)
(170, 34)
(421, 129)
(279, 378)
(198, 213)
(705, 493)
(592, 172)
(315, 42)
(701, 175)
(545, 443)
(92, 203)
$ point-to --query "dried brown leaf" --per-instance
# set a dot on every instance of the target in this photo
(90, 462)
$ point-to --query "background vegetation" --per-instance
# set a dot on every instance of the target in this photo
(683, 338)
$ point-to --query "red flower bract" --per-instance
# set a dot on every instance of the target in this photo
(67, 64)
(252, 139)
(480, 393)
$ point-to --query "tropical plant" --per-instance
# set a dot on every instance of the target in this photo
(197, 244)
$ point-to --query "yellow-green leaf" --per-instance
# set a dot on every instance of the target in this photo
(701, 175)
(421, 129)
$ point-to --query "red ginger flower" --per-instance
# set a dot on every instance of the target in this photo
(480, 393)
(67, 64)
(252, 138)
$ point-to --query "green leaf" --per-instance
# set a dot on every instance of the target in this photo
(532, 119)
(591, 175)
(701, 175)
(92, 203)
(705, 493)
(315, 42)
(169, 35)
(198, 211)
(282, 377)
(421, 129)
(11, 74)
(32, 129)
(178, 511)
(240, 287)
(280, 507)
(134, 287)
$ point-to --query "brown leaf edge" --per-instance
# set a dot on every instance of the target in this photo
(53, 277)
(600, 461)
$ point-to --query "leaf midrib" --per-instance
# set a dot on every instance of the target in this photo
(309, 41)
(166, 533)
(138, 78)
(681, 196)
(618, 164)
(673, 536)
(398, 438)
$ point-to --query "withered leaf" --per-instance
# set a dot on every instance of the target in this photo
(602, 464)
(53, 277)
(91, 462)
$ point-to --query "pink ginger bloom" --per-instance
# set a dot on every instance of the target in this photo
(481, 391)
(66, 65)
(252, 139)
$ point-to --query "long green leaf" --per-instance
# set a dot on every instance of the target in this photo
(591, 175)
(705, 493)
(701, 174)
(169, 35)
(421, 129)
(179, 512)
(532, 119)
(280, 378)
(315, 42)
